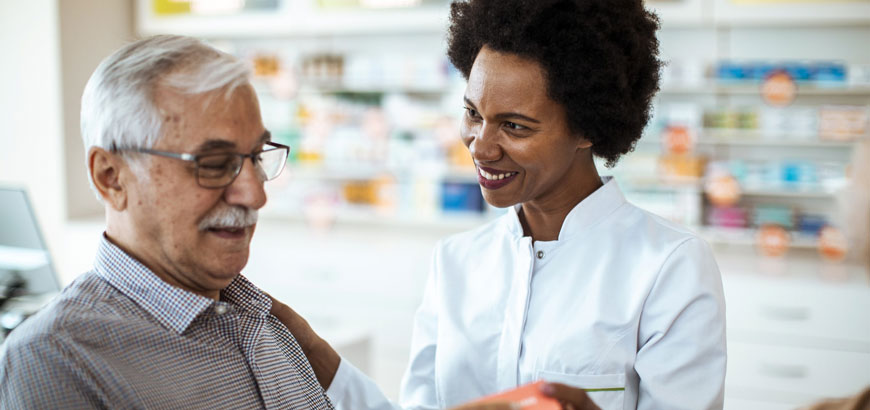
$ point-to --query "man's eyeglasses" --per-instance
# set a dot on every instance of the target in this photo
(220, 170)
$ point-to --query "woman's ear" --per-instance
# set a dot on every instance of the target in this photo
(583, 143)
(105, 171)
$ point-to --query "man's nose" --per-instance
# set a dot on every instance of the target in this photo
(247, 189)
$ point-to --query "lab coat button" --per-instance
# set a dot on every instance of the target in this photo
(540, 254)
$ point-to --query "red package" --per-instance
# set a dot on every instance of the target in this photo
(528, 396)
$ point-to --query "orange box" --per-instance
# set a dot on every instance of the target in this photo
(528, 396)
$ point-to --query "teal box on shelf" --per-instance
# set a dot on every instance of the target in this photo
(776, 215)
(461, 197)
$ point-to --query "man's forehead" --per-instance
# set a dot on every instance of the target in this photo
(210, 121)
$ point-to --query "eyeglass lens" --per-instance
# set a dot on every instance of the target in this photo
(218, 170)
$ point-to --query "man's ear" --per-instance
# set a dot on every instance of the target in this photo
(105, 170)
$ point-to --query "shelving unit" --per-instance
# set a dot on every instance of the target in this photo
(753, 89)
(292, 19)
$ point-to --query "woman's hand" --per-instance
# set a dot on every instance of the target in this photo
(571, 398)
(323, 358)
(489, 406)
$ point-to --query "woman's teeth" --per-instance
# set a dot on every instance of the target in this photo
(495, 177)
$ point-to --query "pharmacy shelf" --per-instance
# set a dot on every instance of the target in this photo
(376, 90)
(296, 20)
(697, 185)
(769, 13)
(367, 172)
(714, 137)
(748, 237)
(789, 193)
(761, 139)
(754, 89)
(370, 217)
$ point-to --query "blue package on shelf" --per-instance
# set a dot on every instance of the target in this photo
(799, 72)
(461, 197)
(727, 71)
(760, 71)
(829, 72)
(799, 173)
(811, 224)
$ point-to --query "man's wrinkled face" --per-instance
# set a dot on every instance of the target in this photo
(199, 237)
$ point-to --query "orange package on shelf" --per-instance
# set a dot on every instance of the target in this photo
(528, 396)
(682, 166)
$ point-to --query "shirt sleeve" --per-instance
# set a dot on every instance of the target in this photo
(352, 389)
(418, 386)
(42, 374)
(682, 353)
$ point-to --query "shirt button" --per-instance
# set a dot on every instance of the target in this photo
(220, 309)
(540, 254)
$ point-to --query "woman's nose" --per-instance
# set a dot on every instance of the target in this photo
(484, 146)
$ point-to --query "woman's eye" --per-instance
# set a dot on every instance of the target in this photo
(514, 126)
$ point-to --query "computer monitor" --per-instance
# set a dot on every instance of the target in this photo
(22, 250)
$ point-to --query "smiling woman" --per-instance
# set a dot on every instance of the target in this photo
(516, 132)
(573, 285)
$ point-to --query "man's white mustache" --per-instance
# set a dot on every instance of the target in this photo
(229, 217)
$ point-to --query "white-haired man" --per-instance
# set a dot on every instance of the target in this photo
(177, 152)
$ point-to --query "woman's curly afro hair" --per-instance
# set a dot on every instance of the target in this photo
(600, 58)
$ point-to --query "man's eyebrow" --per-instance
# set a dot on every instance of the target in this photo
(215, 144)
(506, 115)
(218, 144)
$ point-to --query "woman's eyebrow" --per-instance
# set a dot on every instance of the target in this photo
(506, 115)
(514, 115)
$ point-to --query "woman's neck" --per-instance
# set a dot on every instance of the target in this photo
(543, 219)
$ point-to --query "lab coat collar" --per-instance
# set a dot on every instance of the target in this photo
(590, 211)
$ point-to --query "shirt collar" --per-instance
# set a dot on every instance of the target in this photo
(591, 210)
(244, 295)
(173, 307)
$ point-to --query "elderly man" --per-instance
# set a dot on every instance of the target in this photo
(177, 152)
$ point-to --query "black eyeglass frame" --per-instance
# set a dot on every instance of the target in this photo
(195, 158)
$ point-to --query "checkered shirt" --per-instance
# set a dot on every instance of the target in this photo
(119, 337)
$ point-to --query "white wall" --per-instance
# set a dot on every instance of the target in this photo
(31, 135)
(90, 30)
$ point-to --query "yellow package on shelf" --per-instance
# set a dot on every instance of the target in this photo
(170, 7)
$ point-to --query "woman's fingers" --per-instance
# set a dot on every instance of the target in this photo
(489, 406)
(572, 397)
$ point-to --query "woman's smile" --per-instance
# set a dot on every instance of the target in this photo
(491, 178)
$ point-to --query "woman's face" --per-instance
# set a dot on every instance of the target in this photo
(519, 137)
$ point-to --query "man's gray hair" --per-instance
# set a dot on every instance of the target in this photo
(118, 107)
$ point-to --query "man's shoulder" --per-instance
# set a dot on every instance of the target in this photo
(81, 308)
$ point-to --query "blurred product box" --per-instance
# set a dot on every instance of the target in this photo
(773, 215)
(682, 166)
(859, 75)
(811, 224)
(360, 192)
(843, 123)
(728, 217)
(461, 197)
(819, 73)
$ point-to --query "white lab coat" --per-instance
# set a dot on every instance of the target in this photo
(624, 303)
